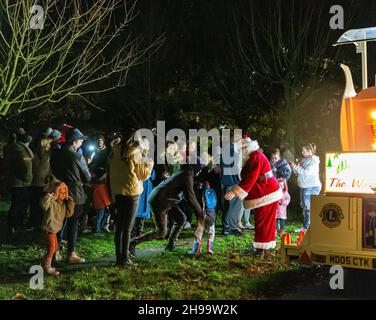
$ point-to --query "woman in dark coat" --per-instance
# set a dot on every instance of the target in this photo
(164, 201)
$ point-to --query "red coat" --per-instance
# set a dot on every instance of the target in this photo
(257, 194)
(101, 196)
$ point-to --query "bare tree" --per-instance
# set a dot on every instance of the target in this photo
(85, 48)
(289, 49)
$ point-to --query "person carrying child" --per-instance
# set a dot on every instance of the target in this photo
(57, 206)
(209, 202)
(282, 206)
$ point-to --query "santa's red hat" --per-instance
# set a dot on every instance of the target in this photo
(65, 128)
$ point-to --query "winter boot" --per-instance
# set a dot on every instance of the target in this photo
(46, 263)
(259, 253)
(210, 246)
(196, 248)
(170, 246)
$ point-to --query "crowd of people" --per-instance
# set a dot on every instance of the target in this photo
(58, 184)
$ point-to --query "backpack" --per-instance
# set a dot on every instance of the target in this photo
(210, 198)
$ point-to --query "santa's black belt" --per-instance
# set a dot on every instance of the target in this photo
(265, 176)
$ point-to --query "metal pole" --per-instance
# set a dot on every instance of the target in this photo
(363, 45)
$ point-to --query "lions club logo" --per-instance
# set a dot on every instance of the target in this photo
(331, 215)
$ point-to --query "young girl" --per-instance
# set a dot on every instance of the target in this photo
(282, 207)
(209, 201)
(280, 167)
(308, 171)
(101, 200)
(57, 206)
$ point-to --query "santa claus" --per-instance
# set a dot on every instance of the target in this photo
(260, 191)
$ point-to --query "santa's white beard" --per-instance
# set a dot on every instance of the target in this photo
(245, 159)
(251, 147)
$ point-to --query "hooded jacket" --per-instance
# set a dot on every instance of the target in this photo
(128, 173)
(282, 169)
(308, 172)
(55, 213)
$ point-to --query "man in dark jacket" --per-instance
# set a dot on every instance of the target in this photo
(68, 165)
(230, 175)
(164, 201)
(19, 176)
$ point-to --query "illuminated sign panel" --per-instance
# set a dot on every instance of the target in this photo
(351, 173)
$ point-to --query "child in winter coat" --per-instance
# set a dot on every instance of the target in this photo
(101, 200)
(57, 206)
(209, 200)
(282, 206)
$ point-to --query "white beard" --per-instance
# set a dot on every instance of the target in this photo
(251, 147)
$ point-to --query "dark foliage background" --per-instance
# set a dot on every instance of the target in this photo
(209, 73)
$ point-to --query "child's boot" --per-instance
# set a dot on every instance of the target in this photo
(196, 248)
(46, 263)
(210, 247)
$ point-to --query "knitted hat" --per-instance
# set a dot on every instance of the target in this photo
(55, 135)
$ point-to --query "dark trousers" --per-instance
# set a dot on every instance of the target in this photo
(187, 209)
(72, 227)
(138, 227)
(60, 234)
(126, 214)
(19, 202)
(36, 211)
(161, 218)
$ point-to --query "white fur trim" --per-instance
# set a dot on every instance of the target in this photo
(264, 245)
(240, 193)
(251, 145)
(263, 201)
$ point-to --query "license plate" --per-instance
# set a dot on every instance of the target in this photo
(351, 261)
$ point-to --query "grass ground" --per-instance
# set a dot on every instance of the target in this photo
(232, 273)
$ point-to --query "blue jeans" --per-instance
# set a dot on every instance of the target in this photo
(305, 203)
(280, 224)
(233, 215)
(101, 219)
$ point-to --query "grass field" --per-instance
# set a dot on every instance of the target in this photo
(231, 273)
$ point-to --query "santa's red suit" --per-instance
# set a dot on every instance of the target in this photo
(259, 190)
